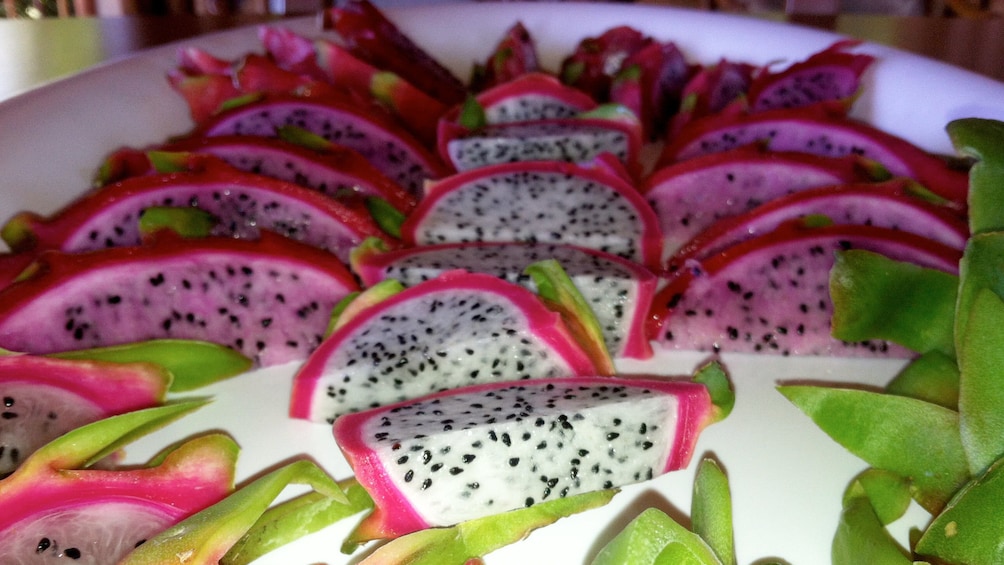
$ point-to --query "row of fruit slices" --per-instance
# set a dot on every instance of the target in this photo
(269, 297)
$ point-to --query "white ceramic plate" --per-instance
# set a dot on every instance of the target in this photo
(786, 476)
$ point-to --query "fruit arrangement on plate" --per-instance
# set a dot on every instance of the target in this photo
(457, 269)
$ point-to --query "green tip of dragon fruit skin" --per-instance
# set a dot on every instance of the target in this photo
(19, 232)
(356, 302)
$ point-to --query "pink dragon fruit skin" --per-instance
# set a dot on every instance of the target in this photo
(820, 129)
(243, 203)
(46, 397)
(562, 429)
(831, 74)
(691, 195)
(514, 56)
(596, 60)
(382, 142)
(96, 516)
(711, 90)
(269, 299)
(456, 329)
(619, 291)
(891, 204)
(538, 201)
(651, 84)
(770, 294)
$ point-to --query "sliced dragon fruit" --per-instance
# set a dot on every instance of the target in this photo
(712, 90)
(651, 84)
(203, 93)
(690, 196)
(538, 201)
(831, 74)
(514, 56)
(243, 204)
(897, 204)
(335, 170)
(620, 292)
(596, 60)
(53, 507)
(383, 143)
(457, 329)
(820, 129)
(611, 129)
(372, 37)
(533, 96)
(44, 398)
(269, 299)
(770, 294)
(485, 449)
(290, 50)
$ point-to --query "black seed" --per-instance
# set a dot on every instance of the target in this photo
(513, 461)
(43, 544)
(409, 476)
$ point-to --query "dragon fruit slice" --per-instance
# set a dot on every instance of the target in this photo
(533, 96)
(485, 449)
(831, 74)
(611, 129)
(897, 204)
(335, 170)
(770, 294)
(514, 56)
(651, 84)
(242, 203)
(45, 398)
(458, 329)
(372, 37)
(596, 60)
(53, 507)
(711, 90)
(820, 129)
(383, 143)
(538, 201)
(690, 196)
(620, 292)
(269, 298)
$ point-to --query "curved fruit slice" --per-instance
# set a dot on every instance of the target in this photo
(242, 203)
(893, 204)
(44, 398)
(620, 292)
(611, 129)
(514, 56)
(532, 96)
(831, 74)
(770, 294)
(820, 129)
(691, 195)
(482, 450)
(54, 507)
(457, 329)
(369, 35)
(269, 299)
(538, 201)
(384, 144)
(334, 170)
(711, 90)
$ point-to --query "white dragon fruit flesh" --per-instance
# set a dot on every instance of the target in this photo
(485, 449)
(457, 329)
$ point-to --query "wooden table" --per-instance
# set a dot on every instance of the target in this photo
(36, 51)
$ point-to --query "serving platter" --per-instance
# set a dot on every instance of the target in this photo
(786, 476)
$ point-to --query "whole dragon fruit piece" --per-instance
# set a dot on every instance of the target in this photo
(242, 204)
(514, 56)
(485, 449)
(831, 74)
(609, 129)
(269, 299)
(711, 90)
(769, 294)
(55, 507)
(896, 204)
(619, 291)
(382, 142)
(372, 37)
(538, 201)
(820, 129)
(594, 63)
(458, 329)
(44, 398)
(691, 195)
(295, 157)
(651, 83)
